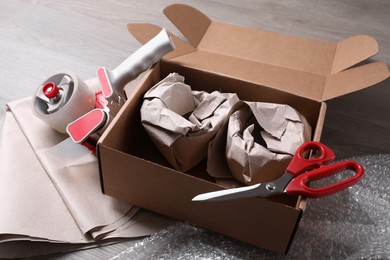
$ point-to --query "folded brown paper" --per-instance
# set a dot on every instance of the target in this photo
(48, 200)
(257, 142)
(176, 118)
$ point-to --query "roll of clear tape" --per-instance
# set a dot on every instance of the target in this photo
(80, 99)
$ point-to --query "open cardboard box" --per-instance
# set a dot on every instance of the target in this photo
(258, 66)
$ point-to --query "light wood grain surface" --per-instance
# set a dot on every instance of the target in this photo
(38, 38)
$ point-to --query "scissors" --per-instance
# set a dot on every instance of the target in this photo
(297, 176)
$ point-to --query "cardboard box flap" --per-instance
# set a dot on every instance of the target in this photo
(143, 32)
(308, 59)
(192, 23)
(352, 51)
(304, 67)
(296, 82)
(268, 47)
(354, 79)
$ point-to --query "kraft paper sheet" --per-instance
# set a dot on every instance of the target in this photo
(45, 199)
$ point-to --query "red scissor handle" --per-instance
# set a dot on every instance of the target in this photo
(300, 164)
(299, 185)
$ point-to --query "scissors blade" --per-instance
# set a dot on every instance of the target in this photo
(257, 190)
(235, 193)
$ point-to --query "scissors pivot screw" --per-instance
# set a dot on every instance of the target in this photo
(270, 186)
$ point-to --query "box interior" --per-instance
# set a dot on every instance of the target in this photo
(128, 135)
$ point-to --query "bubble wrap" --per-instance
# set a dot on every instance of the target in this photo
(353, 224)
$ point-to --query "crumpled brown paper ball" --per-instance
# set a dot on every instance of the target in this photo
(258, 142)
(181, 122)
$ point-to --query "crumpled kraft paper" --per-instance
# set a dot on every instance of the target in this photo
(181, 122)
(46, 200)
(258, 142)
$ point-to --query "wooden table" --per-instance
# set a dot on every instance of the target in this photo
(38, 38)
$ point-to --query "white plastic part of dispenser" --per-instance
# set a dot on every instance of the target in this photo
(81, 99)
(114, 81)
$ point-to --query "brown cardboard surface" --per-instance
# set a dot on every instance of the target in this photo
(289, 63)
(320, 57)
(258, 66)
(169, 192)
